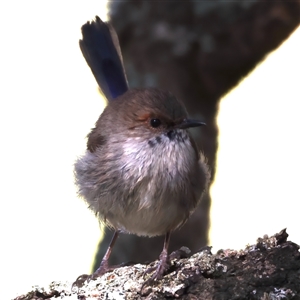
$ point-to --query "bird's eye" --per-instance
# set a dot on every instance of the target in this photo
(155, 123)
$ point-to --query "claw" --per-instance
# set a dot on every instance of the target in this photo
(79, 282)
(161, 269)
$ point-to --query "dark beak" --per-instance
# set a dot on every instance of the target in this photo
(188, 123)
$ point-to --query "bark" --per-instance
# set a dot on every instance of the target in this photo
(270, 269)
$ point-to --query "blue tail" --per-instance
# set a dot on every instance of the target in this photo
(101, 50)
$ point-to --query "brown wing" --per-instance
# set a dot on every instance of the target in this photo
(95, 140)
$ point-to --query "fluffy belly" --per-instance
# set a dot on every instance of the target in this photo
(140, 190)
(148, 221)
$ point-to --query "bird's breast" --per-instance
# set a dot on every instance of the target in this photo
(144, 186)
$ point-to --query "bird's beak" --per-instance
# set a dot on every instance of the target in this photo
(188, 123)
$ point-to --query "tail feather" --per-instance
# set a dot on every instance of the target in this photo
(100, 48)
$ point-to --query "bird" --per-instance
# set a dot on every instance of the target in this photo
(141, 173)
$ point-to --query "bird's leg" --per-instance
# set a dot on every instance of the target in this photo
(163, 265)
(103, 268)
(164, 262)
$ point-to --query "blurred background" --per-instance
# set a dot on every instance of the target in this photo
(235, 64)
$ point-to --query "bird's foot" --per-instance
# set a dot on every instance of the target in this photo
(104, 268)
(159, 271)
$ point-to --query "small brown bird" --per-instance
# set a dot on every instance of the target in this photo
(141, 173)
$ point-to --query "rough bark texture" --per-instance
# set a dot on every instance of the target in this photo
(268, 270)
(198, 50)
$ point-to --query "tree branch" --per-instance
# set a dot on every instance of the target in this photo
(267, 270)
